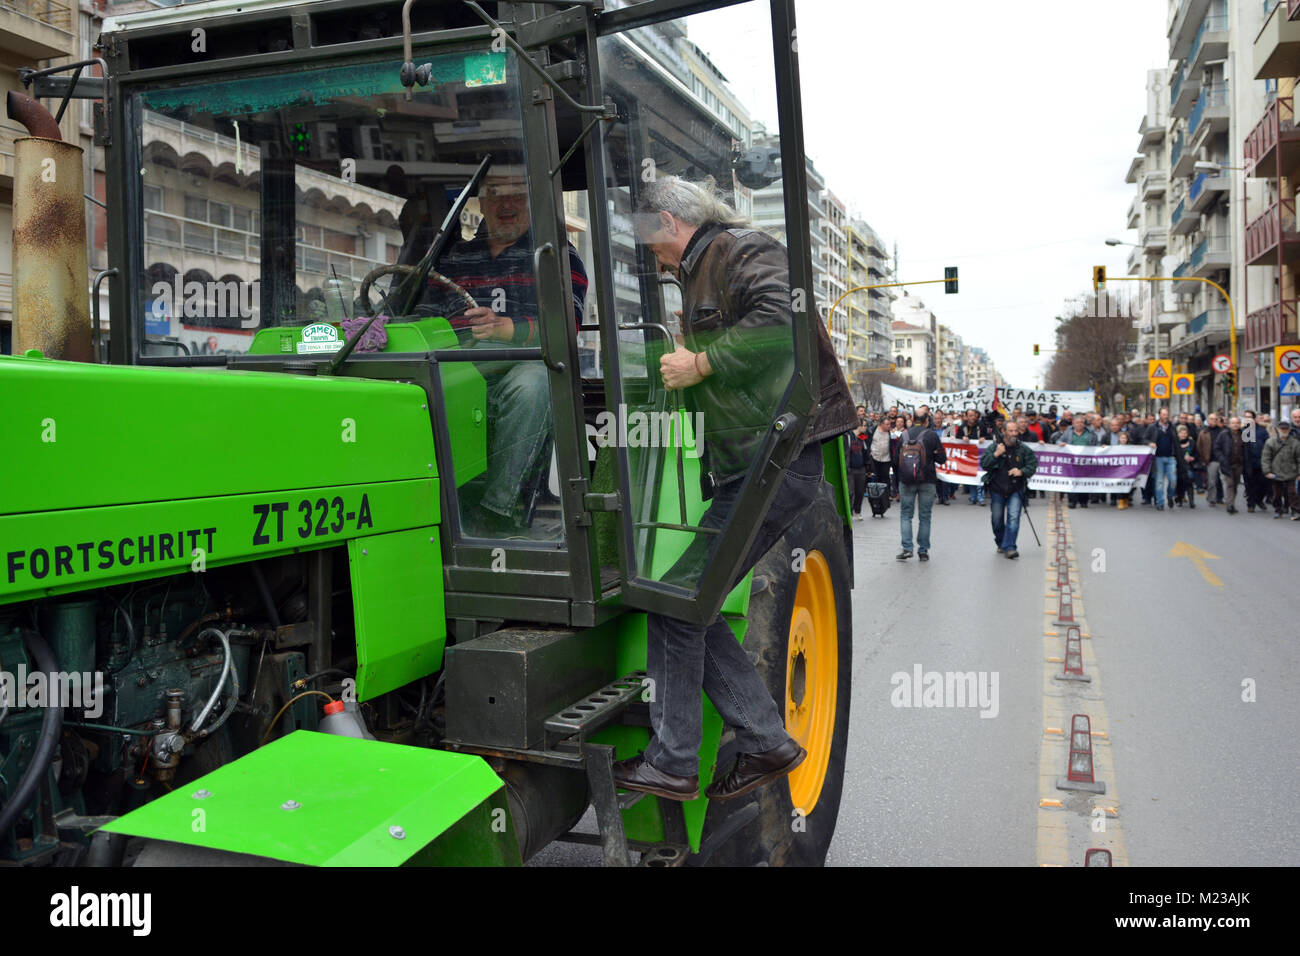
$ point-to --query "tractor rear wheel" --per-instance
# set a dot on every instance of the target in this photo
(801, 633)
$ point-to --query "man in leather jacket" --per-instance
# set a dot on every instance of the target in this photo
(734, 364)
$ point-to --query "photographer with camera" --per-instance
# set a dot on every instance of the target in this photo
(1008, 465)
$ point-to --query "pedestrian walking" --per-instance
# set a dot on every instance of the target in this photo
(1008, 465)
(1185, 456)
(973, 429)
(919, 451)
(1163, 438)
(1205, 442)
(859, 451)
(1230, 453)
(1281, 463)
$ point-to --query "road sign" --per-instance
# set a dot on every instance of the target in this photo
(1289, 384)
(1222, 363)
(1286, 359)
(1160, 388)
(1183, 384)
(1159, 368)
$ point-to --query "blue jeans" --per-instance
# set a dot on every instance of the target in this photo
(909, 495)
(519, 407)
(976, 493)
(1166, 472)
(682, 658)
(1005, 512)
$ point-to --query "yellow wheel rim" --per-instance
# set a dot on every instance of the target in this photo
(812, 679)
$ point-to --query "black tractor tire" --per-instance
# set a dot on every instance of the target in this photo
(779, 834)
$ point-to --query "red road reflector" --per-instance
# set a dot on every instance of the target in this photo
(1065, 607)
(1079, 769)
(1073, 657)
(1097, 857)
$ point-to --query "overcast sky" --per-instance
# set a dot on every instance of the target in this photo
(991, 136)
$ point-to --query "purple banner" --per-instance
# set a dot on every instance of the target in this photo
(1104, 469)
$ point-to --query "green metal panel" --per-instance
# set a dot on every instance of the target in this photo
(82, 435)
(349, 792)
(834, 464)
(398, 603)
(69, 550)
(464, 390)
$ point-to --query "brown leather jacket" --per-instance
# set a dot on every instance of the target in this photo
(736, 306)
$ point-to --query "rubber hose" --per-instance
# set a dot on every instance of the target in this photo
(47, 746)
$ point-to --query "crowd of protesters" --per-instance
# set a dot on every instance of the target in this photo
(1212, 457)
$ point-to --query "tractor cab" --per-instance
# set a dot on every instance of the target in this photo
(451, 195)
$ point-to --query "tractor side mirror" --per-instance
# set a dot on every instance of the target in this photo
(757, 167)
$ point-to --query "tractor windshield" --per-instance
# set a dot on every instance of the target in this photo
(295, 199)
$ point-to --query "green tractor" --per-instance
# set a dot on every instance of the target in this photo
(266, 501)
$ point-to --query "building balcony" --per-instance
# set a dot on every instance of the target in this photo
(1153, 239)
(1182, 93)
(1210, 114)
(1210, 43)
(1274, 143)
(1183, 221)
(1205, 325)
(37, 29)
(1154, 183)
(1277, 46)
(1134, 169)
(1135, 258)
(1273, 235)
(1151, 134)
(1184, 18)
(1181, 160)
(1212, 255)
(1272, 325)
(1204, 189)
(1134, 213)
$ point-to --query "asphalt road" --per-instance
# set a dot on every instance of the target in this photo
(1197, 775)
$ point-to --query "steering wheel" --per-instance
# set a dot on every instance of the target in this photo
(398, 269)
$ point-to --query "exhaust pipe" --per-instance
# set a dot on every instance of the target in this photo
(51, 296)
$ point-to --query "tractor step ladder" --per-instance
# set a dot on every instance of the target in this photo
(571, 729)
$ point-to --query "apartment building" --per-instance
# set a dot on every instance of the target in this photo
(915, 344)
(1148, 213)
(869, 264)
(1271, 155)
(979, 368)
(950, 370)
(1212, 94)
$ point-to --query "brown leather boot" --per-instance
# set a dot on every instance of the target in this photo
(637, 774)
(756, 770)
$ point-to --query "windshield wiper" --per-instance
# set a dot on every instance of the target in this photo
(406, 290)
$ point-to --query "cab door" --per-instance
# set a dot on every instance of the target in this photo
(697, 467)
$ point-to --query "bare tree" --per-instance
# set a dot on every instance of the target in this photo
(1091, 351)
(865, 387)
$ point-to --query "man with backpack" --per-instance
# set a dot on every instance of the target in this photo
(919, 450)
(1008, 464)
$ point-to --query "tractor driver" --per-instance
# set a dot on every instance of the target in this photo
(496, 268)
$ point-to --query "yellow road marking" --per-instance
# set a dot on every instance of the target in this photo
(1198, 557)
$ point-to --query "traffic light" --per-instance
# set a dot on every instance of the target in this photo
(1098, 278)
(1035, 348)
(949, 279)
(1230, 383)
